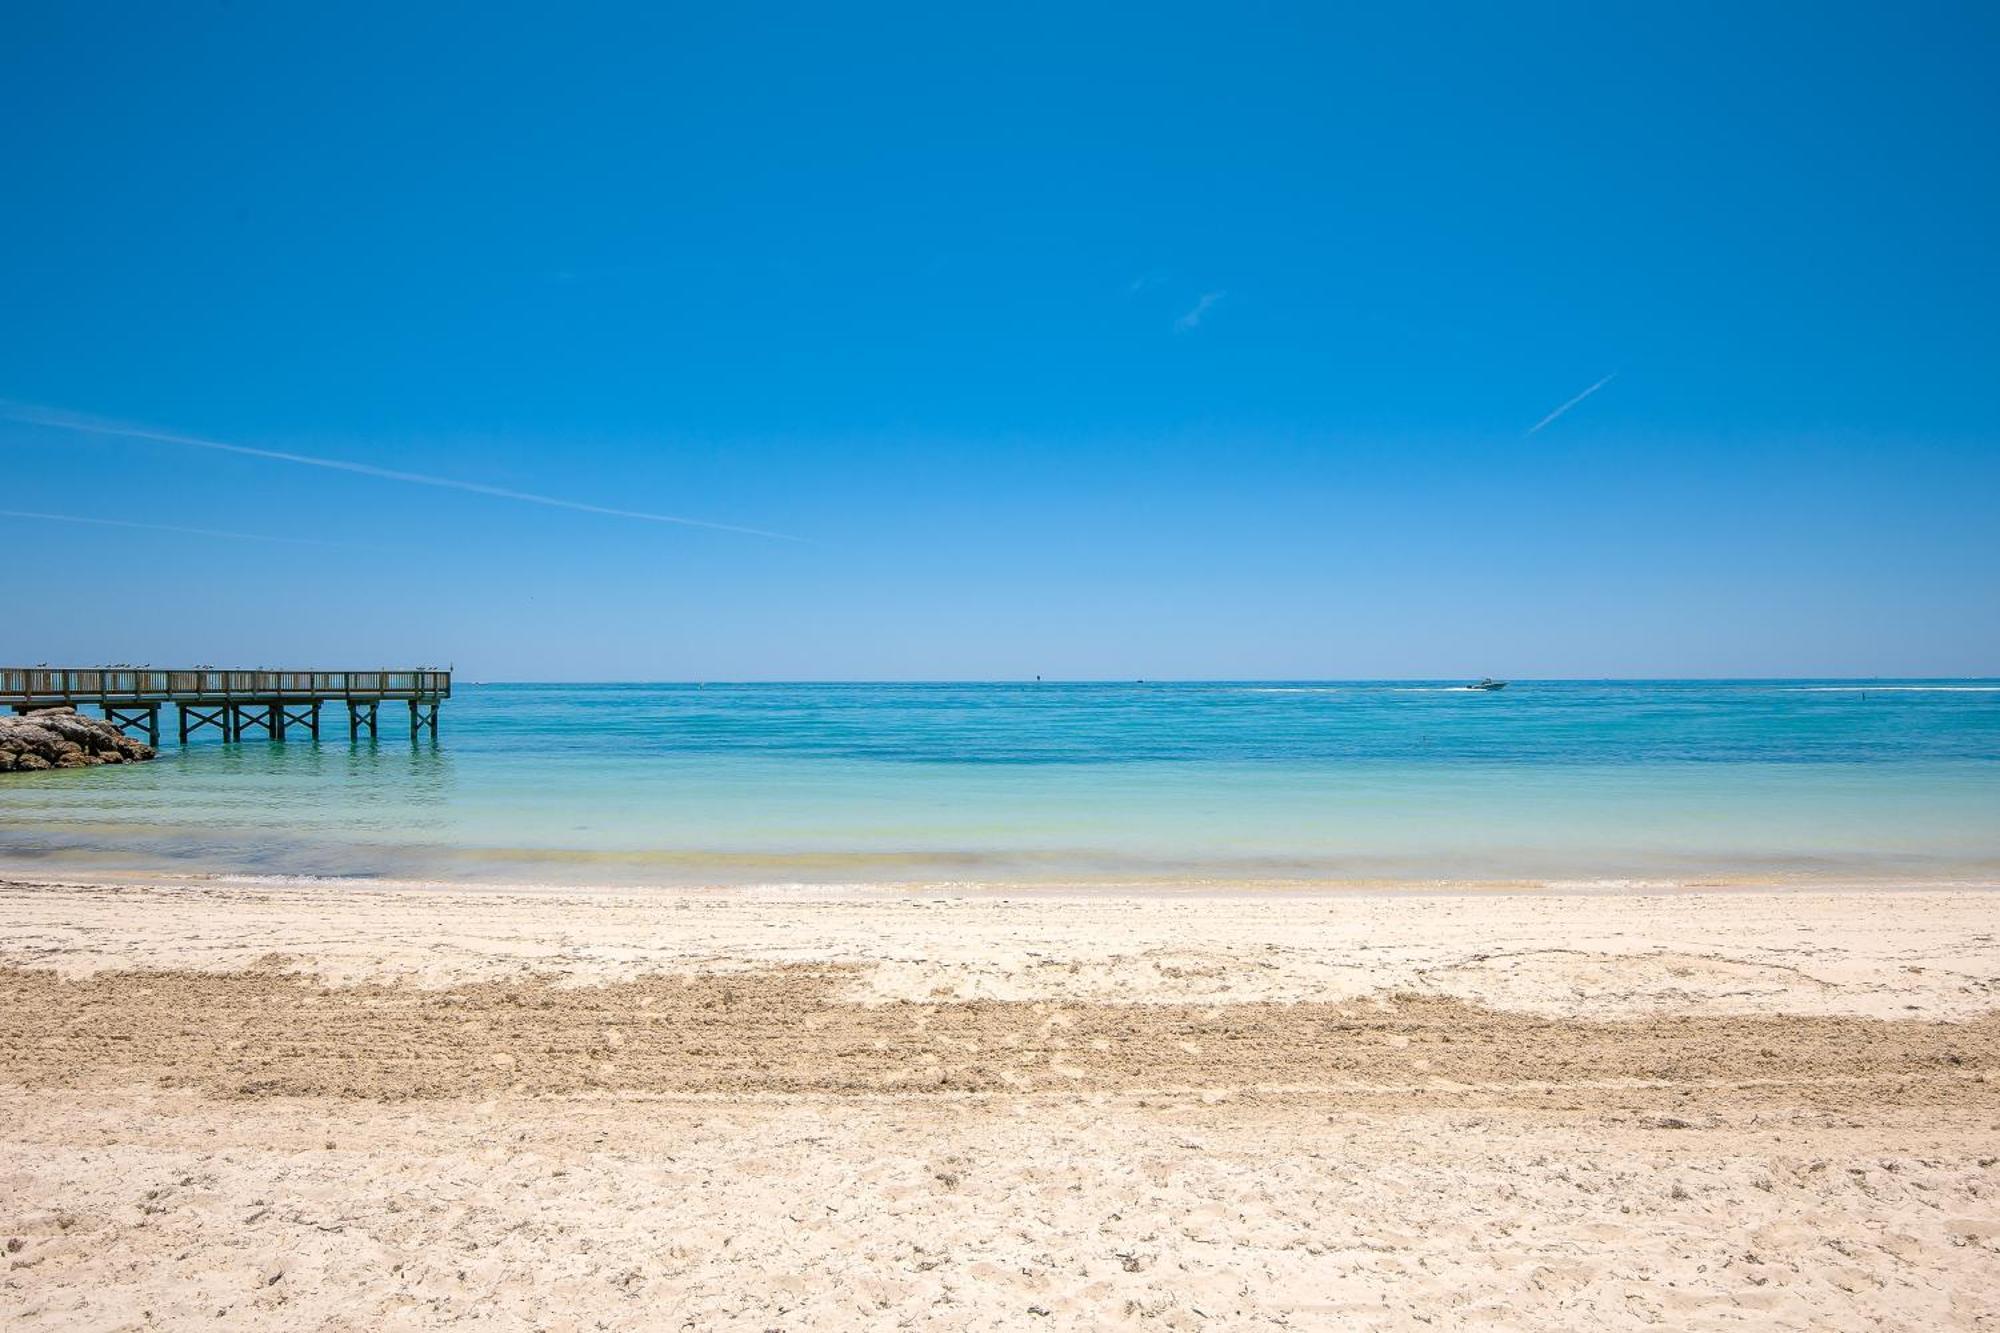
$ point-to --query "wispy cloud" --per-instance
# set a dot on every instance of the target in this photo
(1572, 403)
(1191, 321)
(163, 527)
(40, 416)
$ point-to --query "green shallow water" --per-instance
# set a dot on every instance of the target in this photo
(643, 784)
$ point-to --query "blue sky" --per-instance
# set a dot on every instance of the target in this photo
(1151, 341)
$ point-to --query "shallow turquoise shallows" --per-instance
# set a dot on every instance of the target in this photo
(685, 784)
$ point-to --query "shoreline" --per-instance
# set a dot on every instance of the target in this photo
(33, 875)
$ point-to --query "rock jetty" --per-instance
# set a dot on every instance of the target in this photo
(62, 738)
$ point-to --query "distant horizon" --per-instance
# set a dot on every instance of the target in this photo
(1431, 678)
(1252, 680)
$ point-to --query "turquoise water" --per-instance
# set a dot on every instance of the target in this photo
(638, 784)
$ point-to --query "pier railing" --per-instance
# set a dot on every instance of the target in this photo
(233, 702)
(54, 686)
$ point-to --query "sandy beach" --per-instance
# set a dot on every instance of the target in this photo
(1000, 669)
(298, 1105)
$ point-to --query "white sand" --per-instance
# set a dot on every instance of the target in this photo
(1576, 1198)
(1906, 953)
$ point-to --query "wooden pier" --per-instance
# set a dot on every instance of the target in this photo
(236, 703)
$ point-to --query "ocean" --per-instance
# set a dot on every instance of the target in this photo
(1587, 783)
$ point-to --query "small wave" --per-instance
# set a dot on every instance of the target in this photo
(1573, 885)
(1295, 689)
(1893, 689)
(287, 880)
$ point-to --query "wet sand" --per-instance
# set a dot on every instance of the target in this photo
(330, 1107)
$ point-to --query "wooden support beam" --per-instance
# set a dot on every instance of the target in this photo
(145, 715)
(194, 718)
(304, 715)
(245, 716)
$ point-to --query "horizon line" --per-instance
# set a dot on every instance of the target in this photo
(1239, 680)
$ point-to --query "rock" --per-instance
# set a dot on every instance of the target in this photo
(61, 738)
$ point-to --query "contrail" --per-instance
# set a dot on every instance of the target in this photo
(1191, 321)
(163, 527)
(89, 426)
(1571, 403)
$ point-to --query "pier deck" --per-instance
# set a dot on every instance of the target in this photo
(234, 702)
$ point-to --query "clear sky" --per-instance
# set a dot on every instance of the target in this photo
(1152, 341)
